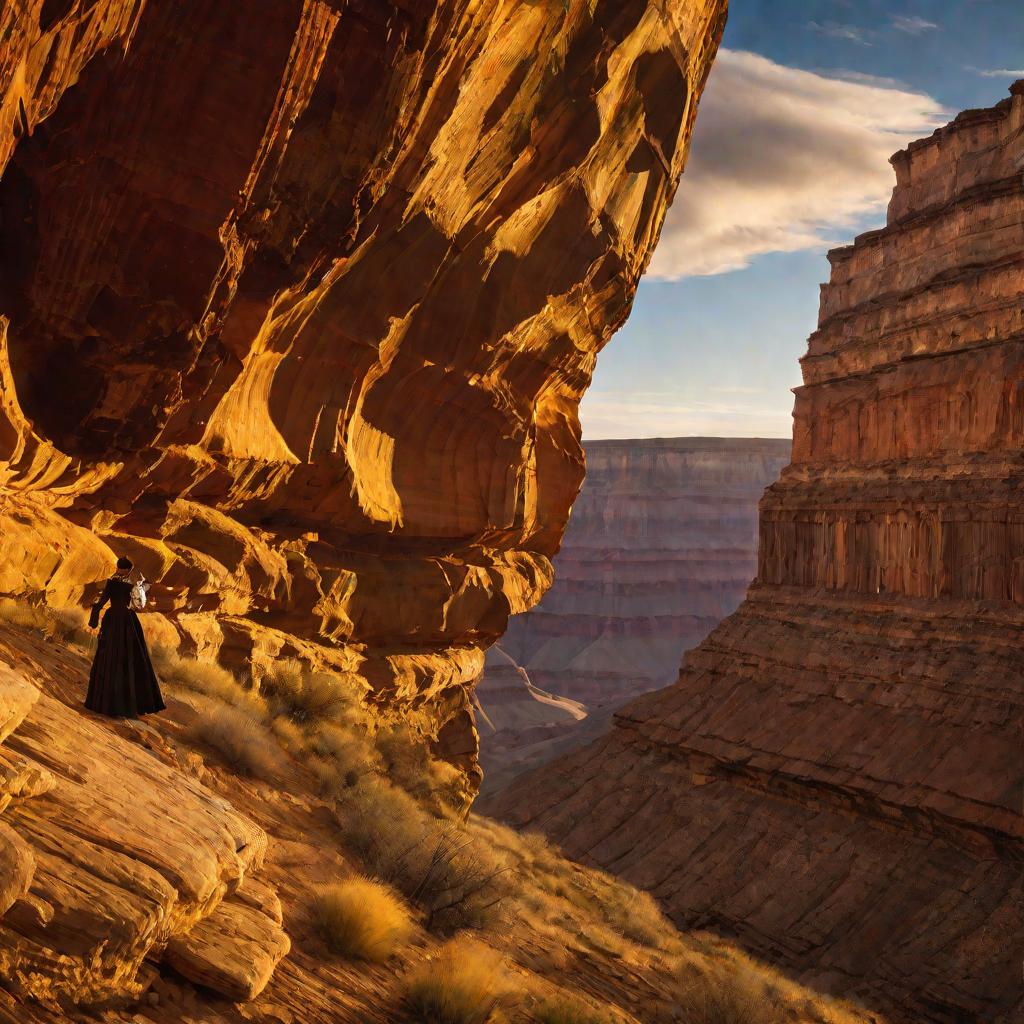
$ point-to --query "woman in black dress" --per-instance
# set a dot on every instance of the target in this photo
(122, 683)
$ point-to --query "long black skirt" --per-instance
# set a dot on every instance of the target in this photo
(122, 682)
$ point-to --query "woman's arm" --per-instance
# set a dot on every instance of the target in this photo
(94, 617)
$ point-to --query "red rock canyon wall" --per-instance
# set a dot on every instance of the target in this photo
(298, 299)
(836, 778)
(660, 547)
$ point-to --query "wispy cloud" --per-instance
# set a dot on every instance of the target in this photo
(914, 25)
(784, 160)
(997, 72)
(839, 30)
(617, 414)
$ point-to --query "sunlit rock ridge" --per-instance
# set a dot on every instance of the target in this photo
(299, 300)
(836, 778)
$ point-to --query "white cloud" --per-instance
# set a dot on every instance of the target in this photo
(998, 72)
(784, 160)
(837, 30)
(621, 414)
(913, 25)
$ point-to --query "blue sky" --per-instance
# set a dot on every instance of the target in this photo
(789, 158)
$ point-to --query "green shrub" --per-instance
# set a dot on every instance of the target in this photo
(363, 919)
(463, 984)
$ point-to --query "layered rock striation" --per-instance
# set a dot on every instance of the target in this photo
(298, 301)
(660, 547)
(836, 778)
(110, 857)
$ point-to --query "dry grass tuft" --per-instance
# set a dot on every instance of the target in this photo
(307, 697)
(738, 997)
(66, 625)
(21, 613)
(209, 679)
(363, 919)
(242, 741)
(566, 1009)
(69, 625)
(440, 865)
(464, 984)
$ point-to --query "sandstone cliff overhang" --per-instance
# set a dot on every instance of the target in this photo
(298, 300)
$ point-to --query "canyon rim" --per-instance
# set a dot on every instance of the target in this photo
(836, 777)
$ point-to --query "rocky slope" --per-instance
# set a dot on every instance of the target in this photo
(145, 878)
(660, 547)
(114, 860)
(836, 778)
(299, 299)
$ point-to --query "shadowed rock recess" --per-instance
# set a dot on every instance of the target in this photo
(298, 301)
(836, 778)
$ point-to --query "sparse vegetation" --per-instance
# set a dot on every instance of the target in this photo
(363, 919)
(463, 984)
(307, 697)
(738, 996)
(399, 813)
(208, 678)
(440, 865)
(566, 1009)
(67, 625)
(242, 741)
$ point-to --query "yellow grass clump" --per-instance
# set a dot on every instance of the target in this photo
(241, 740)
(307, 697)
(739, 996)
(67, 625)
(463, 984)
(566, 1009)
(362, 918)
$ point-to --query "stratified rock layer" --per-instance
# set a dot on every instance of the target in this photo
(299, 299)
(110, 857)
(836, 778)
(660, 547)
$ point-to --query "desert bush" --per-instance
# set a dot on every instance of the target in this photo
(349, 752)
(464, 984)
(288, 734)
(363, 919)
(405, 758)
(631, 912)
(457, 880)
(69, 625)
(241, 740)
(307, 697)
(208, 678)
(736, 997)
(23, 614)
(566, 1009)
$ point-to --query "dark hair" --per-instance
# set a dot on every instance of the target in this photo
(125, 564)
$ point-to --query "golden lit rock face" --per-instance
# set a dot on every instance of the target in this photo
(299, 300)
(836, 778)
